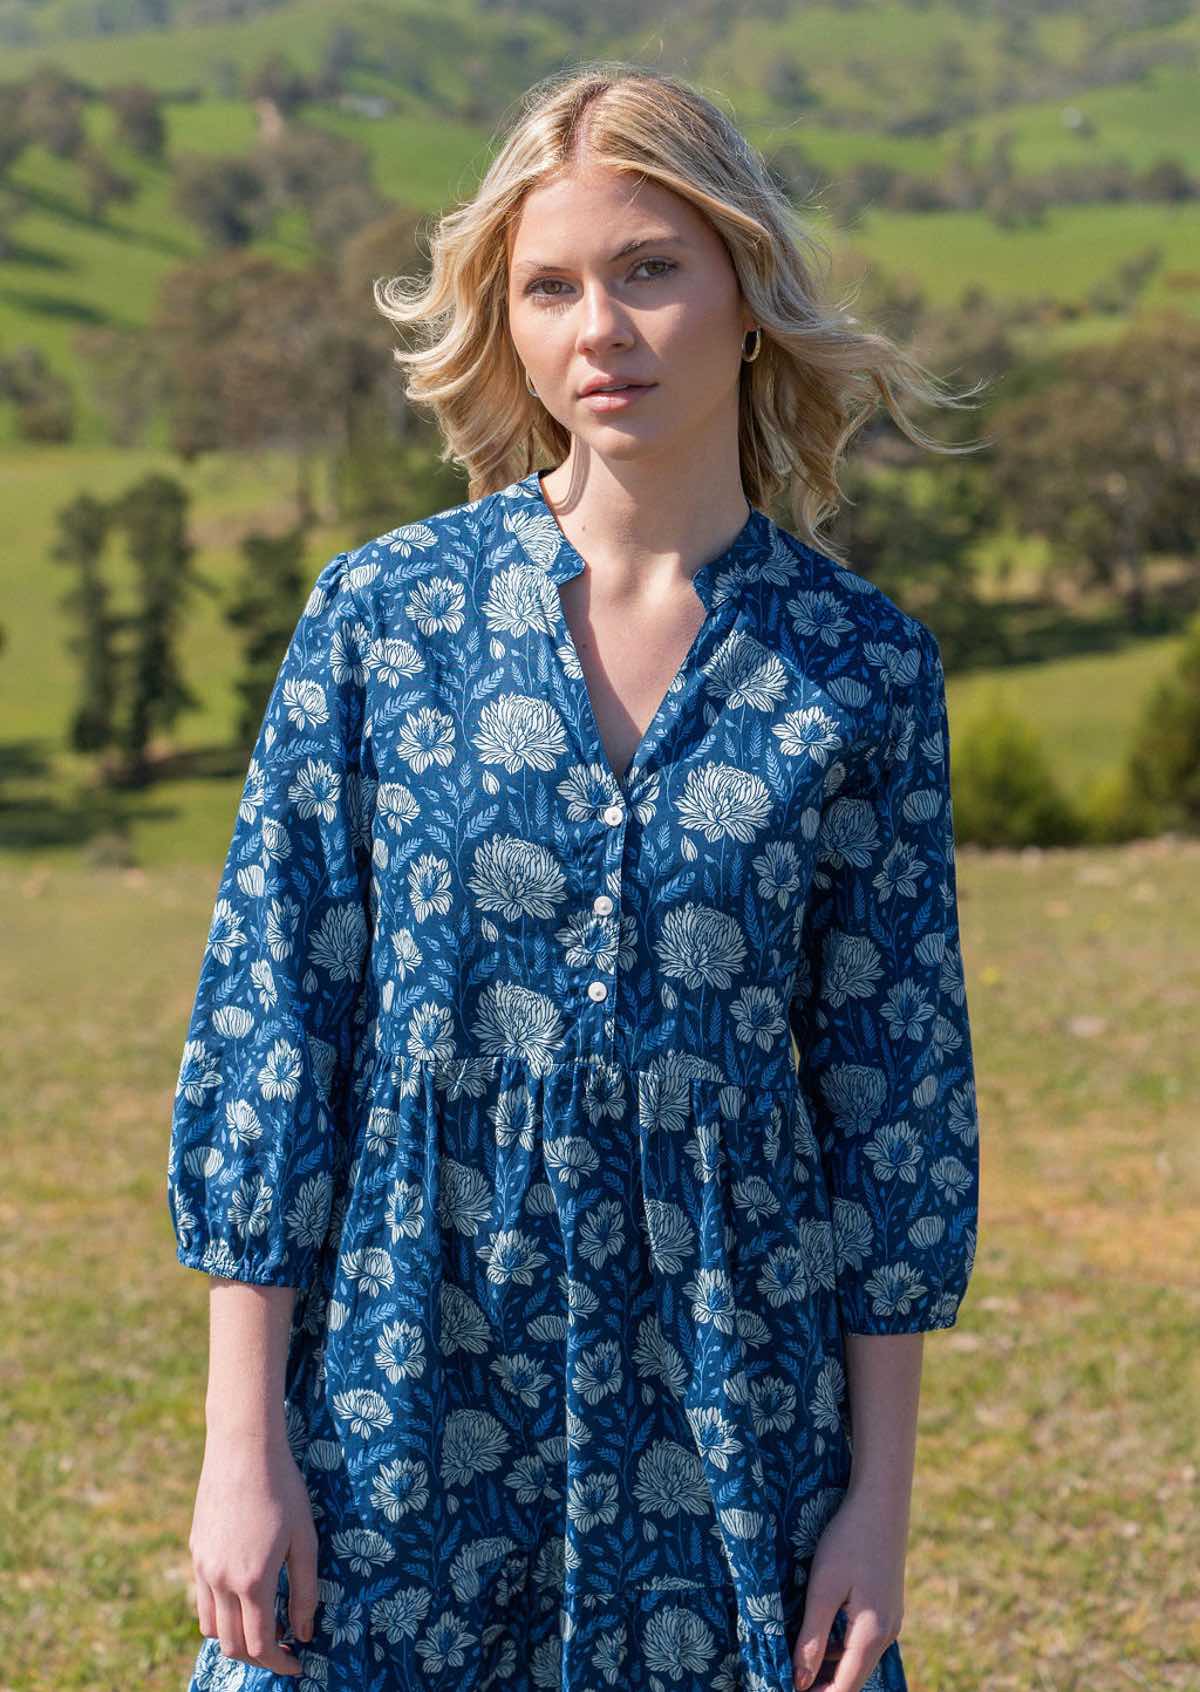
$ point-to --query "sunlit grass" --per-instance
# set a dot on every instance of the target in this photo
(1057, 1464)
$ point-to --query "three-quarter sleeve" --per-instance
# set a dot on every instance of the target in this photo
(879, 1015)
(270, 1041)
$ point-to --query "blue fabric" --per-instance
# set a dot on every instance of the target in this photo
(581, 1197)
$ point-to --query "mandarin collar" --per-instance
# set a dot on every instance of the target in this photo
(719, 581)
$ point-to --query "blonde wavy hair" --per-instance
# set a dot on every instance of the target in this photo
(818, 376)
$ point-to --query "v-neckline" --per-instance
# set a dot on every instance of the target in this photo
(566, 562)
(622, 782)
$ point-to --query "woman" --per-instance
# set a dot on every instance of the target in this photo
(566, 1330)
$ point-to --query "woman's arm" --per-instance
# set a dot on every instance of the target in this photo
(859, 1562)
(883, 1379)
(248, 1328)
(253, 1512)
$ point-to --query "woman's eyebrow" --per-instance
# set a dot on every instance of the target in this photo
(622, 252)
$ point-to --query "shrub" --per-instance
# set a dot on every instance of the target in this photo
(1004, 791)
(1112, 813)
(1162, 766)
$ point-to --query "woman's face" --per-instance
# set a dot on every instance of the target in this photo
(669, 315)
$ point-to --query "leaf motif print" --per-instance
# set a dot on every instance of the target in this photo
(893, 1093)
(587, 1117)
(258, 1096)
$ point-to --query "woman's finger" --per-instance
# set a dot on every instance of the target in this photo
(302, 1584)
(229, 1624)
(864, 1644)
(261, 1632)
(206, 1608)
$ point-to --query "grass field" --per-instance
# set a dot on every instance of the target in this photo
(1057, 1466)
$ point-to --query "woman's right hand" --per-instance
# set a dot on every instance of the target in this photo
(252, 1515)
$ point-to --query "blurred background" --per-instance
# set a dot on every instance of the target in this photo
(198, 408)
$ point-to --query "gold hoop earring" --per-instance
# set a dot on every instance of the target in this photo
(529, 387)
(749, 358)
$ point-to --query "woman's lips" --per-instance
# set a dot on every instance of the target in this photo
(607, 399)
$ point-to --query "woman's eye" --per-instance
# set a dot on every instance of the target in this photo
(534, 287)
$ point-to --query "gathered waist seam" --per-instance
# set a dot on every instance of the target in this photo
(685, 1066)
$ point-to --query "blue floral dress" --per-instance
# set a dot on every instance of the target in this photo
(586, 1114)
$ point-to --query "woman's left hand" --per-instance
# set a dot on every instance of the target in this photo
(858, 1566)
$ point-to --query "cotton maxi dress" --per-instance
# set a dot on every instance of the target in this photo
(586, 1115)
